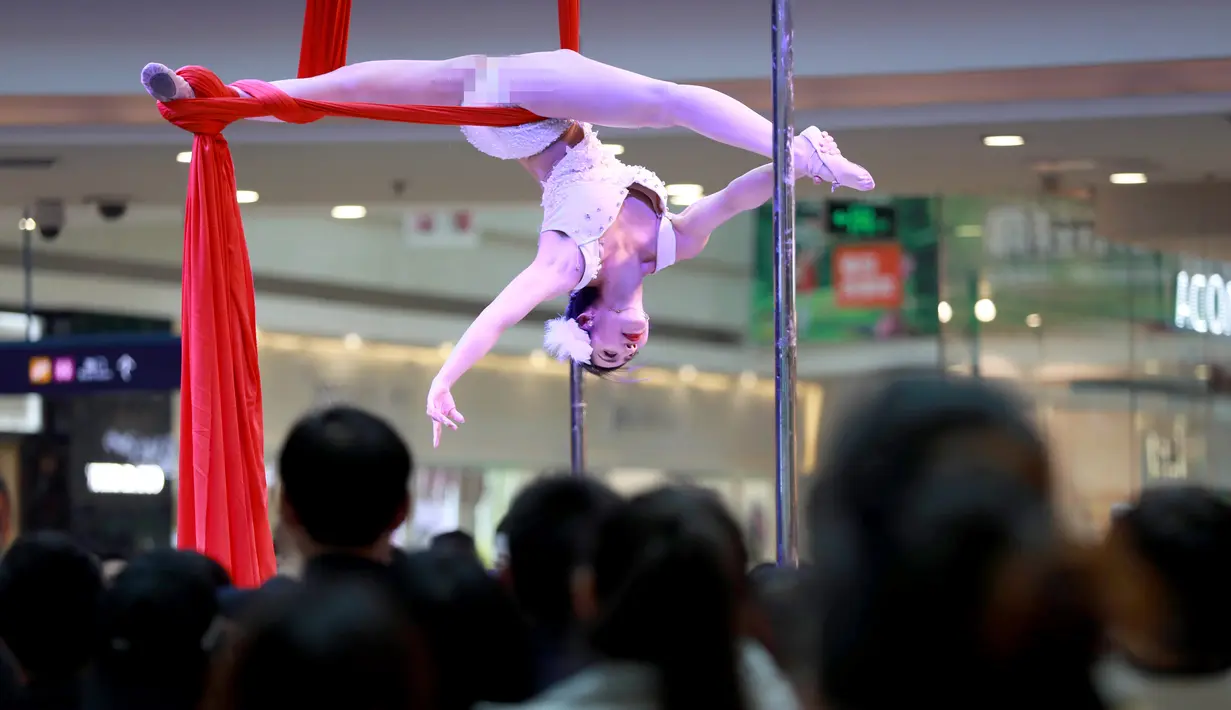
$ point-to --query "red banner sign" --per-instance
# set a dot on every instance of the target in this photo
(868, 275)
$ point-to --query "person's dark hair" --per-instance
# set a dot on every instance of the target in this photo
(327, 644)
(154, 626)
(665, 586)
(890, 427)
(49, 592)
(345, 475)
(457, 541)
(10, 688)
(201, 565)
(1181, 536)
(782, 597)
(938, 559)
(477, 637)
(550, 529)
(578, 302)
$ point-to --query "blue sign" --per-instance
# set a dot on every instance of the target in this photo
(87, 365)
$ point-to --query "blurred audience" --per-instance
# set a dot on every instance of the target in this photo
(940, 576)
(345, 477)
(1169, 586)
(478, 639)
(549, 532)
(111, 566)
(158, 622)
(345, 488)
(335, 643)
(458, 541)
(940, 563)
(49, 593)
(661, 604)
(785, 612)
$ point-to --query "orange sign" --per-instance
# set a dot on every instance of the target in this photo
(40, 370)
(868, 275)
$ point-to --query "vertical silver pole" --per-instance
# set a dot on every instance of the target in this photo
(577, 412)
(785, 332)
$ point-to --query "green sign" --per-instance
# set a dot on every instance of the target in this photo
(857, 219)
(822, 229)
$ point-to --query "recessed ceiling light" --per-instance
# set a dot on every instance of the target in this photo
(185, 157)
(614, 148)
(349, 212)
(1128, 178)
(1003, 141)
(246, 197)
(352, 341)
(684, 194)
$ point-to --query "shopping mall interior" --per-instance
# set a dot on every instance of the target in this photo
(1052, 210)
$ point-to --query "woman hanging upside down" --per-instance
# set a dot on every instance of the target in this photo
(605, 224)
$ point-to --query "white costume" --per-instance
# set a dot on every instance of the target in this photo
(587, 187)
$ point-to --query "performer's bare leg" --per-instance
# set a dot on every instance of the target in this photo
(558, 84)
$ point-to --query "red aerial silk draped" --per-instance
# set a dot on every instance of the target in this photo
(326, 29)
(222, 496)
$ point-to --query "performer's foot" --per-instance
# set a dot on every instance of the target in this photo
(164, 84)
(825, 162)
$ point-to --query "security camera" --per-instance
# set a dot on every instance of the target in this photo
(49, 216)
(112, 210)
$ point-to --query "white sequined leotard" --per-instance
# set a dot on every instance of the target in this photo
(587, 187)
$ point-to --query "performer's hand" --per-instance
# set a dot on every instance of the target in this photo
(442, 410)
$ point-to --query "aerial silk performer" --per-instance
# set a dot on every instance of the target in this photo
(605, 224)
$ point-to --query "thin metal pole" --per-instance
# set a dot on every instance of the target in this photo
(785, 332)
(27, 270)
(577, 404)
(577, 413)
(976, 326)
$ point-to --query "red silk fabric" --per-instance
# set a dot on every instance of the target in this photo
(222, 497)
(326, 32)
(570, 24)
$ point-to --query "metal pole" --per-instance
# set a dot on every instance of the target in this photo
(577, 413)
(27, 269)
(785, 332)
(976, 326)
(577, 408)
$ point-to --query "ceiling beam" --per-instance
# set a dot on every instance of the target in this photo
(882, 91)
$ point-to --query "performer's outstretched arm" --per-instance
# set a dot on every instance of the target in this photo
(746, 192)
(553, 273)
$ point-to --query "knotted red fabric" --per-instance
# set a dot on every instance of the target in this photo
(222, 490)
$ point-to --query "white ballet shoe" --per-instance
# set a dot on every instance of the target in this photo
(164, 84)
(827, 164)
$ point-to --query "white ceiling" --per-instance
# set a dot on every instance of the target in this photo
(903, 160)
(75, 47)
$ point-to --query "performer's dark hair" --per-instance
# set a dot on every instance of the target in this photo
(577, 304)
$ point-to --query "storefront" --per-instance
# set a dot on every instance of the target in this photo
(1121, 347)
